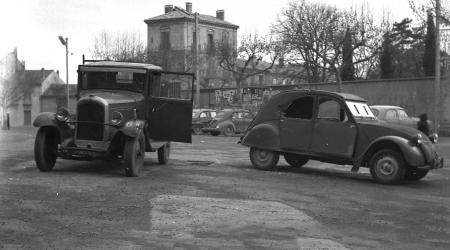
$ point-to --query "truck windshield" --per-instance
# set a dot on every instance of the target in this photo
(120, 80)
(360, 110)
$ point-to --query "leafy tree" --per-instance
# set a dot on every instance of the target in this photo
(430, 45)
(255, 55)
(125, 47)
(348, 68)
(386, 58)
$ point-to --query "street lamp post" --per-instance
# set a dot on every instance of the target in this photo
(65, 42)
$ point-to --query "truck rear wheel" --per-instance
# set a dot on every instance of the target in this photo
(134, 154)
(164, 154)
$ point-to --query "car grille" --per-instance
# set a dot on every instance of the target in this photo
(91, 115)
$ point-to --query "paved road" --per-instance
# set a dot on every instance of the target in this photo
(209, 196)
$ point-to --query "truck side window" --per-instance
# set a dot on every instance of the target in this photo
(300, 108)
(155, 85)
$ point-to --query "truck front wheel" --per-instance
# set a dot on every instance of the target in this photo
(46, 148)
(134, 154)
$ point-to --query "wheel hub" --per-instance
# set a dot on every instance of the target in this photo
(386, 166)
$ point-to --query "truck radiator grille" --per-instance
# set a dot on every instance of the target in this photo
(91, 116)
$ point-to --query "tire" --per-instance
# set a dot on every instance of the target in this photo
(196, 130)
(263, 159)
(415, 175)
(228, 131)
(133, 155)
(387, 166)
(163, 154)
(46, 149)
(295, 160)
(215, 133)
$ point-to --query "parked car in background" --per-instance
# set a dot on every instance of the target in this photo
(229, 122)
(337, 128)
(394, 114)
(201, 118)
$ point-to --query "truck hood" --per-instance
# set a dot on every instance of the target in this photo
(114, 97)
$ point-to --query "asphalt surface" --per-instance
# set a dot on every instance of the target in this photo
(210, 197)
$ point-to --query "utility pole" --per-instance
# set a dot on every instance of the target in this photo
(65, 42)
(197, 76)
(437, 65)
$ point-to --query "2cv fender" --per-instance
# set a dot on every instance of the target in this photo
(411, 151)
(264, 135)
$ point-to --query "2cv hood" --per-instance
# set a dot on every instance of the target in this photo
(114, 97)
(378, 128)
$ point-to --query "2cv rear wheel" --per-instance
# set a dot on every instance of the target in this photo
(134, 153)
(263, 159)
(387, 166)
(46, 148)
(295, 160)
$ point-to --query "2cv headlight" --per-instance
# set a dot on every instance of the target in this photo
(417, 139)
(116, 117)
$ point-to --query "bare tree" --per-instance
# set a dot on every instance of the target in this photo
(255, 55)
(125, 46)
(317, 32)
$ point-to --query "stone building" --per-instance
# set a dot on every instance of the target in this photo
(23, 91)
(171, 39)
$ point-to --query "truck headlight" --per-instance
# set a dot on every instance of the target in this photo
(62, 115)
(116, 117)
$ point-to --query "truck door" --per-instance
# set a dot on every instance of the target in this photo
(170, 106)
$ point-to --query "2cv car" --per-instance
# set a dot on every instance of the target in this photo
(123, 110)
(337, 128)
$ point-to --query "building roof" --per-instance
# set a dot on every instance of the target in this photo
(179, 14)
(57, 89)
(32, 77)
(122, 64)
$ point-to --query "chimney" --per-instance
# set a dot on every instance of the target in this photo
(43, 74)
(57, 72)
(189, 7)
(168, 8)
(220, 14)
(281, 62)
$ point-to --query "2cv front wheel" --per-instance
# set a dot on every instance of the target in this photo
(46, 148)
(133, 155)
(387, 166)
(263, 159)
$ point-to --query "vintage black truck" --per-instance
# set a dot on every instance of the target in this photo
(123, 110)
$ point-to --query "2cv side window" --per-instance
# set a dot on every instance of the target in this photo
(331, 110)
(301, 108)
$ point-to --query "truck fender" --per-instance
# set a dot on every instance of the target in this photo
(412, 154)
(132, 128)
(264, 135)
(45, 119)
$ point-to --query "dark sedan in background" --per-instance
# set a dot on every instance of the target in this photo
(229, 122)
(201, 118)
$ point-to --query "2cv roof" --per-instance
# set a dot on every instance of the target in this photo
(113, 64)
(282, 100)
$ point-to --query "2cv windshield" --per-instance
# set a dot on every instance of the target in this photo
(116, 79)
(360, 110)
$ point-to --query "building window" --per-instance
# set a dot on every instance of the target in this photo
(165, 40)
(211, 47)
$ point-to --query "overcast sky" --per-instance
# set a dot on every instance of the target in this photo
(33, 26)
